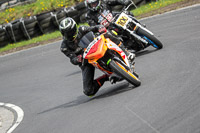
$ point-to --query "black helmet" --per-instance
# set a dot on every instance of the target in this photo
(68, 28)
(93, 5)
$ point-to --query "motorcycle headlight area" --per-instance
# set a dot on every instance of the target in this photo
(131, 26)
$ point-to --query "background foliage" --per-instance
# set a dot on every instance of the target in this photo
(37, 7)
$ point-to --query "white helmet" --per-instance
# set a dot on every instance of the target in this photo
(93, 5)
(68, 28)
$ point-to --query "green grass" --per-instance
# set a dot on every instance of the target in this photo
(37, 7)
(140, 10)
(32, 41)
(153, 6)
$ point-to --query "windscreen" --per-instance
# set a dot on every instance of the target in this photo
(86, 40)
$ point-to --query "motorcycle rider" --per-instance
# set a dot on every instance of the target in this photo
(97, 8)
(69, 46)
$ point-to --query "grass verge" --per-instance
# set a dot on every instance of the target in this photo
(153, 6)
(35, 41)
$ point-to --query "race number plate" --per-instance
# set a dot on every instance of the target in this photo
(122, 20)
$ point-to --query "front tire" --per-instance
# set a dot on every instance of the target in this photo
(123, 72)
(150, 38)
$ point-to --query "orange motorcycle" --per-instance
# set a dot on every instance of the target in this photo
(105, 55)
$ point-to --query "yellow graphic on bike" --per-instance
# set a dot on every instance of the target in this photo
(122, 21)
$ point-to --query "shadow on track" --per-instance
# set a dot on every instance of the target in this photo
(74, 73)
(107, 92)
(144, 52)
(114, 90)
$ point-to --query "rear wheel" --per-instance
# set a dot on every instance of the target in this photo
(120, 70)
(150, 38)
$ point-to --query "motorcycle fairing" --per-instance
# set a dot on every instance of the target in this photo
(95, 50)
(111, 45)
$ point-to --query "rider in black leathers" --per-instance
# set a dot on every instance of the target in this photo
(98, 7)
(69, 46)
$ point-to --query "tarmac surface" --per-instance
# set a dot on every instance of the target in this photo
(47, 87)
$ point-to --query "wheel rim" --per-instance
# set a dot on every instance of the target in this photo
(153, 44)
(127, 71)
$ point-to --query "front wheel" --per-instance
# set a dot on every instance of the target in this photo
(120, 70)
(150, 38)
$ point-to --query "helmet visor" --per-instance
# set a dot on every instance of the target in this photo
(94, 4)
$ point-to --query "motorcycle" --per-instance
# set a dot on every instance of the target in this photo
(134, 35)
(108, 57)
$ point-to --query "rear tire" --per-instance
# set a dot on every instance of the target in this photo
(150, 38)
(123, 72)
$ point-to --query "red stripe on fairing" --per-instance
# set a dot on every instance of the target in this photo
(121, 52)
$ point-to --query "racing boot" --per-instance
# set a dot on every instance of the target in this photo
(100, 80)
(131, 57)
(115, 78)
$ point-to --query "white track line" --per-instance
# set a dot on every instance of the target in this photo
(143, 120)
(18, 111)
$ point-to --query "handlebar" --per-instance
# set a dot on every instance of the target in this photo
(126, 8)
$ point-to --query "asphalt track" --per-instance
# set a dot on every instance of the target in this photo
(49, 89)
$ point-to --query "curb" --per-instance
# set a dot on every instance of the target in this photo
(10, 117)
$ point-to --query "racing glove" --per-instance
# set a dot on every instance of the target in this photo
(79, 58)
(101, 29)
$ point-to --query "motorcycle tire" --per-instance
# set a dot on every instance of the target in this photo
(120, 70)
(150, 38)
